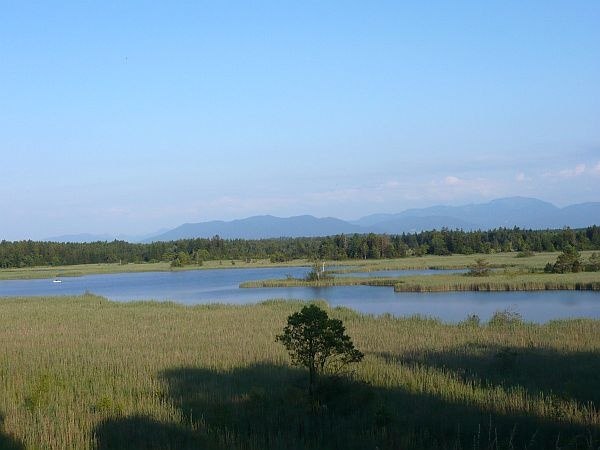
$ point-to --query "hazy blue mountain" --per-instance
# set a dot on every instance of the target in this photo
(502, 212)
(580, 215)
(259, 227)
(506, 212)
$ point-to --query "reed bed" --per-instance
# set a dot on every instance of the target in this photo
(83, 372)
(328, 282)
(507, 280)
(583, 281)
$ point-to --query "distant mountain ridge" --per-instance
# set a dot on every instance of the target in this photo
(260, 227)
(521, 212)
(89, 237)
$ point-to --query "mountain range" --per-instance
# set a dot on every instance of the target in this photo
(510, 212)
(521, 212)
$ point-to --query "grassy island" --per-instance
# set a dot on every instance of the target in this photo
(507, 273)
(502, 281)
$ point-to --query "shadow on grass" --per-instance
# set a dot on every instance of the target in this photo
(568, 375)
(264, 406)
(7, 442)
(142, 432)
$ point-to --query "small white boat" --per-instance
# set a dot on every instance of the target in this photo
(57, 281)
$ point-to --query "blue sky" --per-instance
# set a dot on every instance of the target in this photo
(127, 117)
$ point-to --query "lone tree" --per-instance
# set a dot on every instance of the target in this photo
(568, 261)
(317, 342)
(481, 268)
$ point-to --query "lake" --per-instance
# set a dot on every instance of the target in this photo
(221, 286)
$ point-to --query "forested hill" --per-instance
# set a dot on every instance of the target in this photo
(355, 246)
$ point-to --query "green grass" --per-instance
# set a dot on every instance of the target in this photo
(498, 260)
(84, 372)
(507, 280)
(501, 281)
(93, 269)
(328, 282)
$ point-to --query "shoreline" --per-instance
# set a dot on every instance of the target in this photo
(501, 282)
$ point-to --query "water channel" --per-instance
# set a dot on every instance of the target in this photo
(222, 286)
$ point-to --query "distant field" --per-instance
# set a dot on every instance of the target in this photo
(537, 261)
(498, 260)
(84, 372)
(91, 269)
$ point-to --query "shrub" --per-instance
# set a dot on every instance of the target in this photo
(506, 317)
(481, 268)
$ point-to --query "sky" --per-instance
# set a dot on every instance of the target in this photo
(129, 117)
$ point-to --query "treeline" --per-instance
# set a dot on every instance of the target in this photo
(357, 246)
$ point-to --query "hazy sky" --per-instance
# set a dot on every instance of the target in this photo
(126, 117)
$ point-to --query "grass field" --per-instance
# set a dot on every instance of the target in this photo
(92, 269)
(83, 372)
(497, 260)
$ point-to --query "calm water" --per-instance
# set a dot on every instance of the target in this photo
(206, 286)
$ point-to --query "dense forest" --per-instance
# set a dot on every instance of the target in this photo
(365, 246)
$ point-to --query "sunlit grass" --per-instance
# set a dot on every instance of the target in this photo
(108, 268)
(501, 281)
(73, 370)
(498, 260)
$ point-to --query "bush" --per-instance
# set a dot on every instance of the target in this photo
(481, 268)
(472, 320)
(318, 272)
(568, 261)
(278, 258)
(506, 317)
(593, 264)
(176, 263)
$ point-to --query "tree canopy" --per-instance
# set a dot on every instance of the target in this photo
(568, 261)
(317, 342)
(339, 247)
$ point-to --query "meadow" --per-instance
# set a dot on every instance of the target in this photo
(457, 261)
(83, 373)
(78, 270)
(496, 260)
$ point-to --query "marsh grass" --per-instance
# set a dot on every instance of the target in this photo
(501, 281)
(83, 372)
(328, 282)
